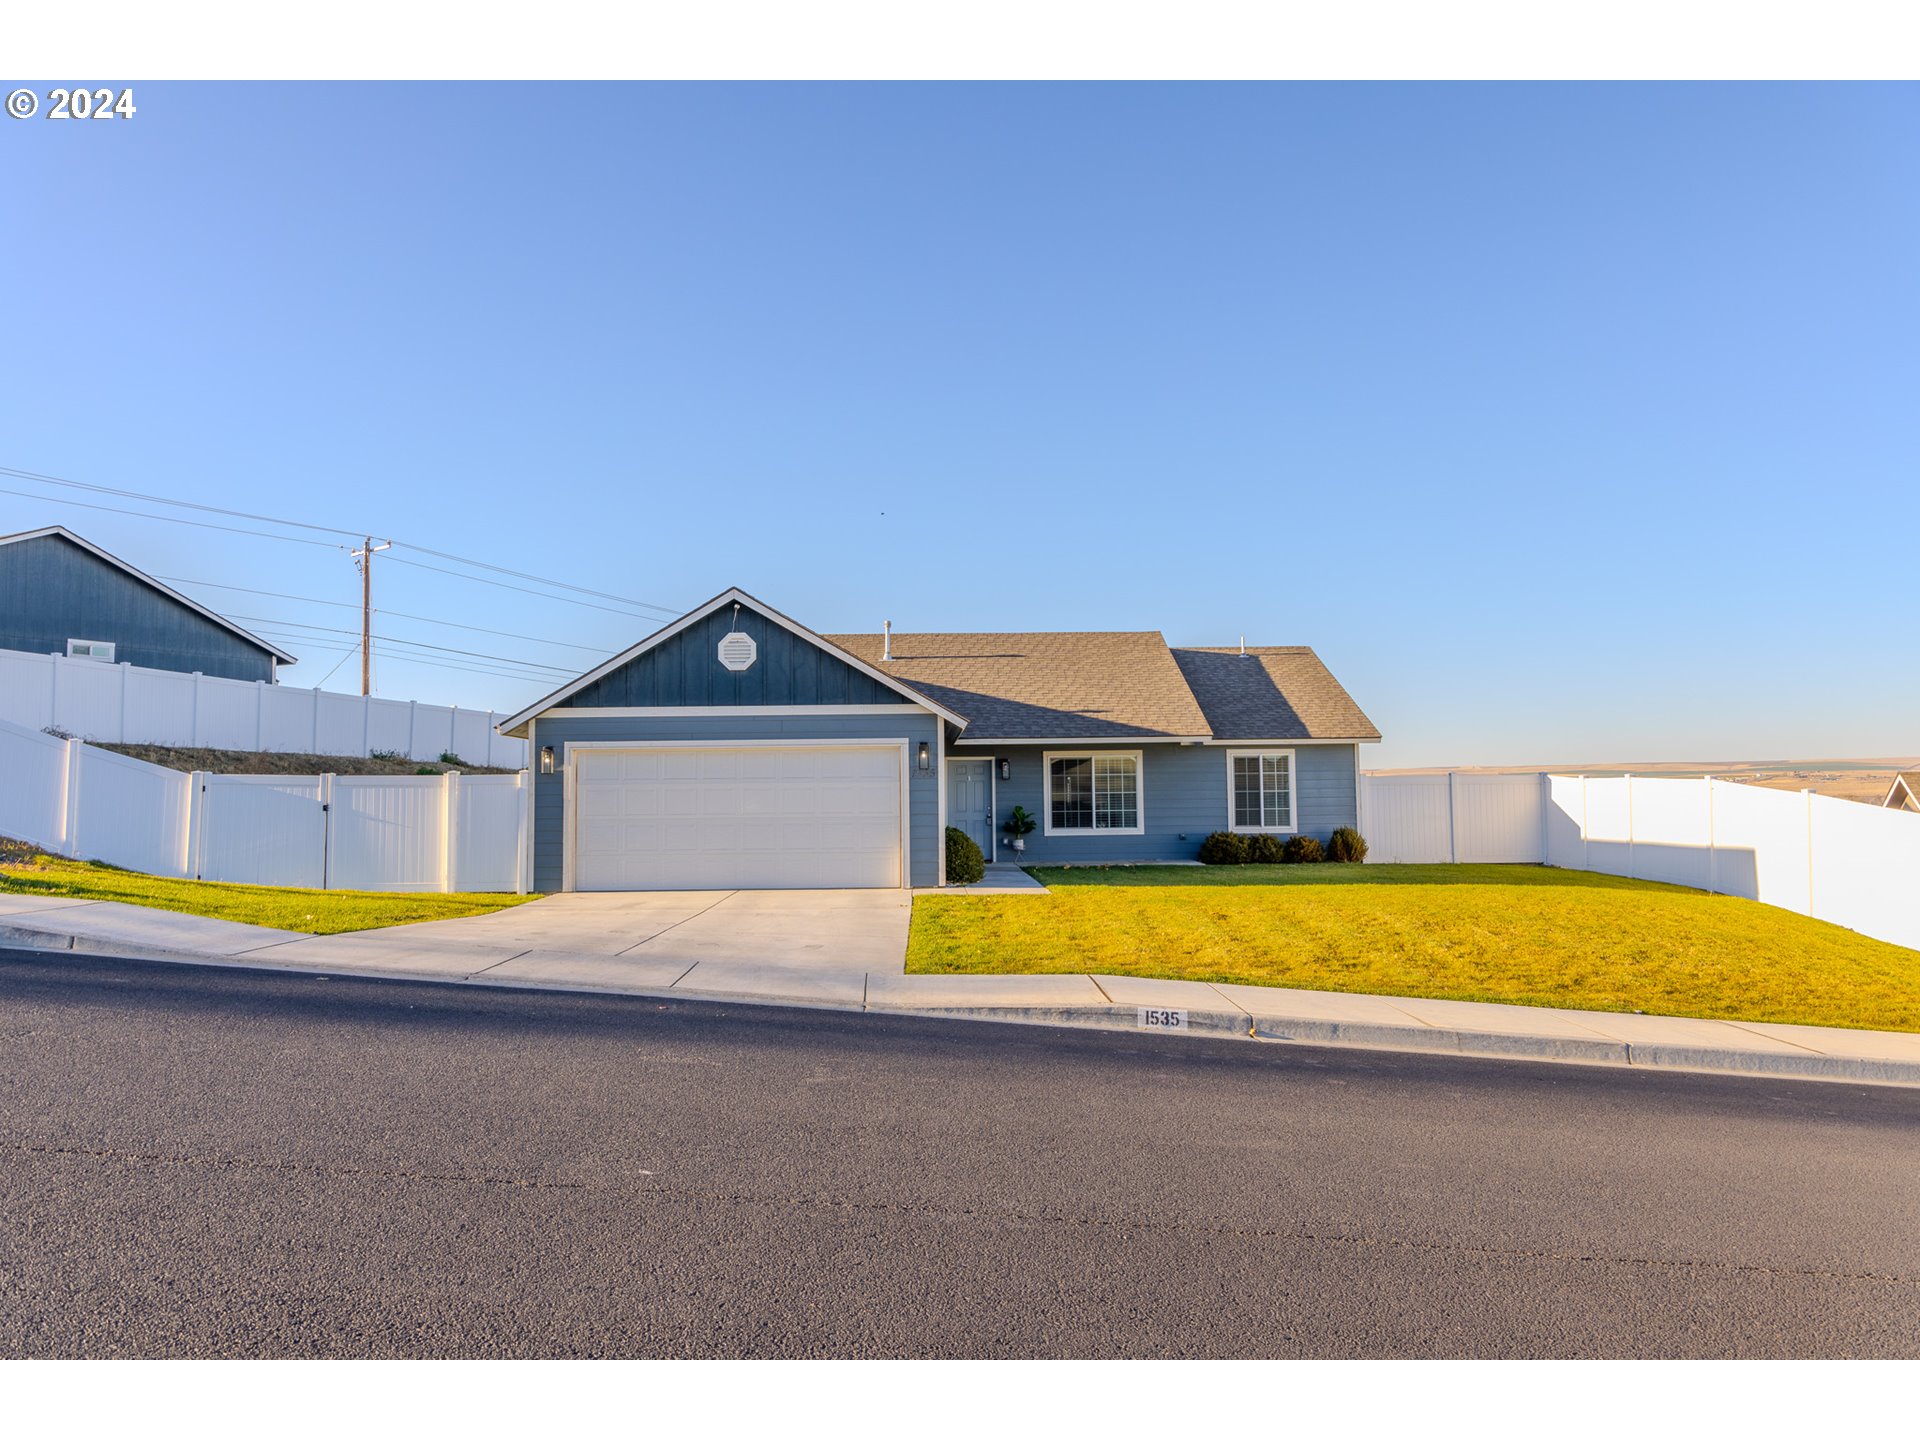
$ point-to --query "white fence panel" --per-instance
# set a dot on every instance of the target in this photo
(159, 706)
(388, 832)
(86, 699)
(1760, 844)
(1866, 869)
(129, 813)
(228, 714)
(488, 813)
(33, 787)
(1609, 826)
(1672, 832)
(116, 704)
(263, 830)
(286, 720)
(1406, 819)
(26, 689)
(1496, 819)
(432, 731)
(389, 727)
(1566, 801)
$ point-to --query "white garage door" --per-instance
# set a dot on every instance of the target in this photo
(668, 818)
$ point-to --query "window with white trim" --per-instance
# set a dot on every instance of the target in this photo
(1260, 790)
(90, 650)
(1093, 792)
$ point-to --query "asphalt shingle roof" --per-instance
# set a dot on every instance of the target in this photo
(1273, 692)
(1045, 685)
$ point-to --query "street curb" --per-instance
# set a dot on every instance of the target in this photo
(1123, 1019)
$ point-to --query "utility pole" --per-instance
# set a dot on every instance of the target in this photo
(363, 559)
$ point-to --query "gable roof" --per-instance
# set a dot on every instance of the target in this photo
(61, 532)
(1272, 692)
(1903, 780)
(1046, 685)
(731, 596)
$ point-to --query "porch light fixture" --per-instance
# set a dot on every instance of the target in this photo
(546, 759)
(926, 759)
(1006, 768)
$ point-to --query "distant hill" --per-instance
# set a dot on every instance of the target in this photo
(1863, 780)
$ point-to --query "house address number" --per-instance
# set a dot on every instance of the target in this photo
(1162, 1019)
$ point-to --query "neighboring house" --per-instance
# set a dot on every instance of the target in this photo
(1904, 793)
(62, 595)
(736, 748)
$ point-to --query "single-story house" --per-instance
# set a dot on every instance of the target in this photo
(62, 595)
(1904, 793)
(735, 748)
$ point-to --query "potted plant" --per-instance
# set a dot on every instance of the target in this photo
(1018, 826)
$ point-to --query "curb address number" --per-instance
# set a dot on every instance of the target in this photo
(1162, 1019)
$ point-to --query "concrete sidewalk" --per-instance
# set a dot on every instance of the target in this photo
(454, 952)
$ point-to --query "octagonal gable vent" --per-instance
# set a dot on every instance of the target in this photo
(737, 650)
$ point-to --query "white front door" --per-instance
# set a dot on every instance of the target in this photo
(820, 817)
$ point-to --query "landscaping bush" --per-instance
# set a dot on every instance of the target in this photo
(965, 863)
(1265, 850)
(1223, 847)
(1346, 846)
(447, 757)
(1302, 850)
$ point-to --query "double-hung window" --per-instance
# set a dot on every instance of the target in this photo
(1093, 792)
(1260, 791)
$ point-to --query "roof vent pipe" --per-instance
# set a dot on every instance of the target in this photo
(1243, 644)
(886, 644)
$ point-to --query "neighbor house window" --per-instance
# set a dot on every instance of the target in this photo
(1260, 789)
(1093, 792)
(91, 650)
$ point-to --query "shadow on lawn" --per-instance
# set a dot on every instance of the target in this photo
(1122, 876)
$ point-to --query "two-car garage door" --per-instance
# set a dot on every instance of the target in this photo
(760, 818)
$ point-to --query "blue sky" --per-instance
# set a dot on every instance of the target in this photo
(1567, 423)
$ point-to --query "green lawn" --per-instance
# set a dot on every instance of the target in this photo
(24, 871)
(1521, 934)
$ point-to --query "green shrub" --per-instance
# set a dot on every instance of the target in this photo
(1346, 846)
(385, 755)
(447, 757)
(965, 864)
(425, 770)
(1302, 850)
(1265, 850)
(1223, 847)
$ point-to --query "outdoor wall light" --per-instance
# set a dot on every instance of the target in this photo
(1006, 768)
(546, 759)
(926, 759)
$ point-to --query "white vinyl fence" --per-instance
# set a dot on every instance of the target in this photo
(1838, 860)
(335, 832)
(130, 705)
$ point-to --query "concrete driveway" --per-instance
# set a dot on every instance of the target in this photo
(862, 931)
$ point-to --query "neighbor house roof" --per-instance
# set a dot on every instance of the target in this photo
(63, 533)
(1045, 685)
(1904, 791)
(1271, 692)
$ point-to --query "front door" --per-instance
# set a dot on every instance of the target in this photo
(970, 801)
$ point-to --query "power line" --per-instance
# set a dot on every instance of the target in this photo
(401, 640)
(308, 643)
(202, 524)
(43, 479)
(381, 610)
(483, 580)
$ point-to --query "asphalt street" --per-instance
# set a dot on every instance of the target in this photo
(210, 1162)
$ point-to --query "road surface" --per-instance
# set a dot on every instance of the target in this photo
(212, 1162)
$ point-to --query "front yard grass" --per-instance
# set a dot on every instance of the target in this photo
(1519, 934)
(27, 871)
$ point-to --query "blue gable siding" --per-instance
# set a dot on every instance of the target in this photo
(561, 731)
(686, 670)
(1183, 800)
(53, 591)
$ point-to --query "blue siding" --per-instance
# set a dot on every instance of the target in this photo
(1183, 800)
(549, 798)
(52, 591)
(686, 670)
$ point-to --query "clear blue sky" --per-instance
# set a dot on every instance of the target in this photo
(1567, 423)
